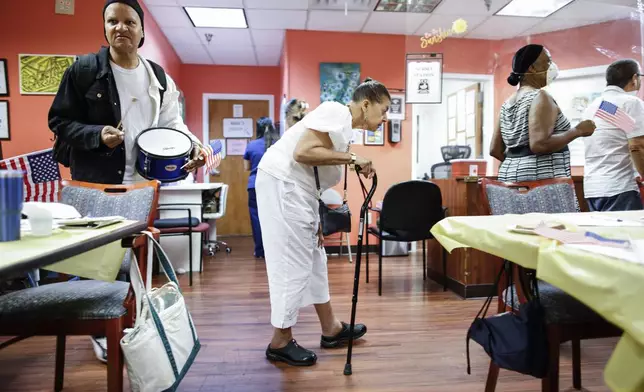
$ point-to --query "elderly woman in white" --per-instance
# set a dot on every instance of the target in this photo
(288, 212)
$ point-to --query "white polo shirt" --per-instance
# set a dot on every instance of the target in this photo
(609, 169)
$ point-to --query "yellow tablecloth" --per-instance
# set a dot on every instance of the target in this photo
(612, 287)
(102, 263)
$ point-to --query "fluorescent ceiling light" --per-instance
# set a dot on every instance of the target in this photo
(225, 18)
(533, 8)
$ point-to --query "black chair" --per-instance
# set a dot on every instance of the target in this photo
(455, 152)
(442, 170)
(409, 211)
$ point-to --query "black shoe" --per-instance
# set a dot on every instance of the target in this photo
(343, 336)
(293, 354)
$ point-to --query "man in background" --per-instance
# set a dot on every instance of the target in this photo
(617, 145)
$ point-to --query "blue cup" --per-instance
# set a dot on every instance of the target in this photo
(11, 199)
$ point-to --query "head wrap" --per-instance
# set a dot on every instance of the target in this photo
(132, 3)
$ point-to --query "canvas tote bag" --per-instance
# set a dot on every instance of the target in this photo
(163, 344)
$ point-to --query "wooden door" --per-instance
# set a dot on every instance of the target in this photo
(465, 119)
(236, 222)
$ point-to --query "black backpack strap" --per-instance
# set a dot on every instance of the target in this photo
(87, 71)
(160, 74)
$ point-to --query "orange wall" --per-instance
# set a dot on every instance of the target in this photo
(197, 80)
(62, 34)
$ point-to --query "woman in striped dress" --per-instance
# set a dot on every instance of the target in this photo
(532, 136)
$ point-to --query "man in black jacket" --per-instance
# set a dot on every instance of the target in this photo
(106, 99)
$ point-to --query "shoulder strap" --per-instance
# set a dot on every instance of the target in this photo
(317, 183)
(87, 70)
(160, 74)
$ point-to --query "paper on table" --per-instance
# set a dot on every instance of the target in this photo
(598, 221)
(58, 210)
(633, 255)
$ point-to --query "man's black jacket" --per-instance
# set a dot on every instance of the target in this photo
(86, 102)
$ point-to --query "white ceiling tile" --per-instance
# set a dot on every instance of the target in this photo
(276, 19)
(336, 20)
(355, 5)
(160, 2)
(629, 3)
(592, 11)
(469, 7)
(233, 55)
(193, 54)
(550, 25)
(225, 37)
(267, 37)
(212, 3)
(445, 22)
(268, 55)
(170, 16)
(181, 36)
(277, 4)
(501, 27)
(394, 23)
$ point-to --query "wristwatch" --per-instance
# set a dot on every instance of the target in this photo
(353, 159)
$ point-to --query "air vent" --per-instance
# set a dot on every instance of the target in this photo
(416, 6)
(352, 5)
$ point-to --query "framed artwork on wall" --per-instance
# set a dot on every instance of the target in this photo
(5, 133)
(338, 80)
(375, 138)
(4, 78)
(41, 74)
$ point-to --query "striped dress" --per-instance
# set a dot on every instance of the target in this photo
(514, 131)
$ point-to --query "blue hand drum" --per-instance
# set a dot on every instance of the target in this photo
(162, 153)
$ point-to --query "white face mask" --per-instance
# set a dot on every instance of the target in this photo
(553, 72)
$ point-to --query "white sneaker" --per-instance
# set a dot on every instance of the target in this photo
(100, 348)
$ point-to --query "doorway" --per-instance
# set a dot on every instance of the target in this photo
(231, 171)
(456, 120)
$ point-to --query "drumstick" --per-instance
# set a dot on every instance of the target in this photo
(125, 114)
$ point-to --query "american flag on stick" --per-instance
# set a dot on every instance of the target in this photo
(613, 115)
(42, 177)
(213, 154)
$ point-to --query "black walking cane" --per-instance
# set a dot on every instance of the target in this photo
(356, 279)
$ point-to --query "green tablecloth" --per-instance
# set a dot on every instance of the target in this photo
(612, 287)
(101, 263)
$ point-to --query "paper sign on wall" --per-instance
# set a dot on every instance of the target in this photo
(424, 78)
(238, 128)
(238, 111)
(236, 146)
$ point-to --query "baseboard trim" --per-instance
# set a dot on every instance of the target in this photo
(463, 291)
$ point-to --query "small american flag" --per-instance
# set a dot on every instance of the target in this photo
(213, 154)
(42, 176)
(615, 116)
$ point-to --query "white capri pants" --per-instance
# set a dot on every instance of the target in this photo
(296, 266)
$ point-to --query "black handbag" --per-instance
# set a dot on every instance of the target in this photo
(334, 220)
(515, 341)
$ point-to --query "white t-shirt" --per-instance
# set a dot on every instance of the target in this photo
(330, 117)
(609, 169)
(137, 115)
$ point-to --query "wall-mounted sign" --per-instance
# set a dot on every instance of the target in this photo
(238, 128)
(436, 36)
(396, 107)
(424, 78)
